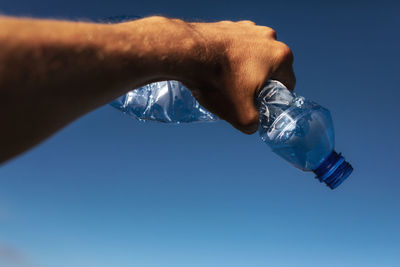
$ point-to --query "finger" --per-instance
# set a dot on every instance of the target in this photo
(241, 114)
(244, 114)
(249, 124)
(271, 33)
(283, 69)
(285, 75)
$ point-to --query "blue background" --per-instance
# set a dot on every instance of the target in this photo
(110, 191)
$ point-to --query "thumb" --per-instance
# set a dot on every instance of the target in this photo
(240, 112)
(244, 115)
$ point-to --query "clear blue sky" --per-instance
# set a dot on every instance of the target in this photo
(110, 191)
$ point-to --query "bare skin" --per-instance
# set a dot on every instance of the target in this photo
(53, 72)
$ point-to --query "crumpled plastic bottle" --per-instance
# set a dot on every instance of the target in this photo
(298, 130)
(166, 101)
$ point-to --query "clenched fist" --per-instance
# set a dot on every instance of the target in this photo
(242, 57)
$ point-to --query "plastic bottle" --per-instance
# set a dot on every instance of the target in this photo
(297, 129)
(166, 101)
(301, 132)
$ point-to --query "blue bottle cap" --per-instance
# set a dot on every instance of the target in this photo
(333, 170)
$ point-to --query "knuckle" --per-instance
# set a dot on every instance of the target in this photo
(226, 22)
(160, 18)
(271, 32)
(155, 19)
(249, 22)
(283, 53)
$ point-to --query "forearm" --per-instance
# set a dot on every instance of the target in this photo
(52, 72)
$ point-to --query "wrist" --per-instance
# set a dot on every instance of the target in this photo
(160, 48)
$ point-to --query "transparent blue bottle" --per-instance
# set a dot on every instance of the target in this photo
(301, 132)
(298, 130)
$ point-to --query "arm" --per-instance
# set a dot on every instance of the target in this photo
(52, 72)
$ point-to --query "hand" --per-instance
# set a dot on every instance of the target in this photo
(240, 58)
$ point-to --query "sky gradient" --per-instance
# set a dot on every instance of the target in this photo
(110, 191)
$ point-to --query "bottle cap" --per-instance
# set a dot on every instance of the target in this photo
(333, 170)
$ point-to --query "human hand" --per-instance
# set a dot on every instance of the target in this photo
(239, 58)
